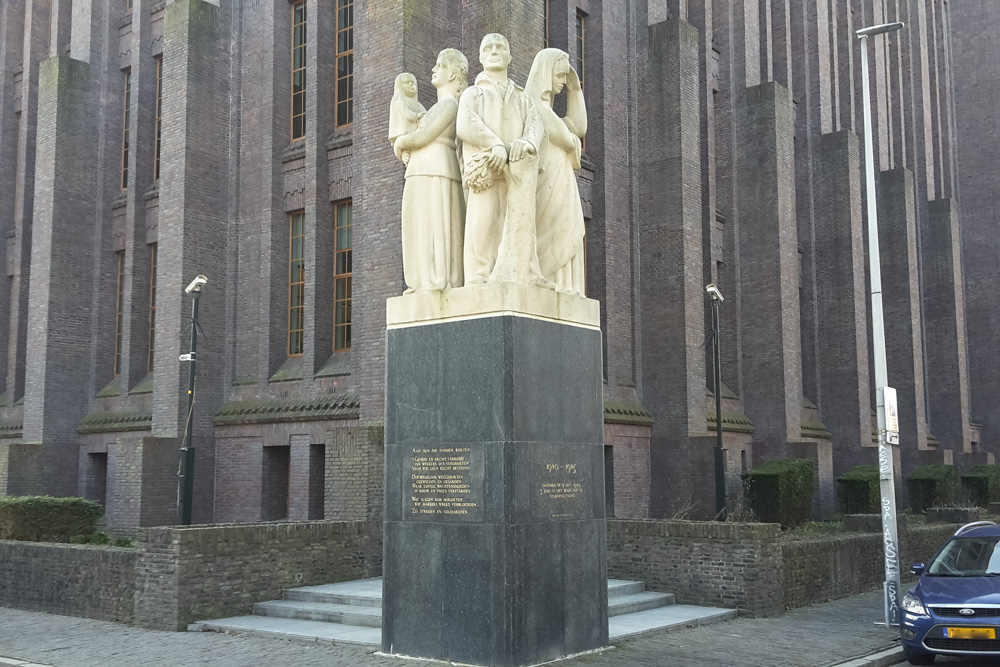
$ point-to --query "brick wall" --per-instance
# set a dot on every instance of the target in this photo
(189, 574)
(716, 564)
(87, 581)
(823, 569)
(752, 567)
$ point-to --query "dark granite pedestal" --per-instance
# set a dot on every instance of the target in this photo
(494, 532)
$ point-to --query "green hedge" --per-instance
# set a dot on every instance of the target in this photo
(47, 519)
(858, 491)
(982, 483)
(782, 491)
(933, 486)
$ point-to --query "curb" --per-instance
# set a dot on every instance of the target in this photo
(892, 656)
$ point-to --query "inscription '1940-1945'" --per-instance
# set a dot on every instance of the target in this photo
(440, 482)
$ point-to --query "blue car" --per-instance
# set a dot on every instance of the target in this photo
(955, 607)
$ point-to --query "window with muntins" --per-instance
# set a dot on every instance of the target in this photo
(345, 62)
(152, 306)
(298, 71)
(296, 282)
(119, 314)
(159, 117)
(125, 122)
(342, 275)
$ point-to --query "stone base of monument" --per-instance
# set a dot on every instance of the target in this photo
(494, 526)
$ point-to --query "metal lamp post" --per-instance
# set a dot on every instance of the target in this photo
(720, 456)
(888, 429)
(185, 483)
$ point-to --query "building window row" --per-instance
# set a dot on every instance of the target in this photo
(344, 83)
(125, 125)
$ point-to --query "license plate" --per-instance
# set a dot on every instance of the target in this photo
(970, 633)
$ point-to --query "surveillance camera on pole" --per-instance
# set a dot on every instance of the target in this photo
(196, 285)
(185, 483)
(720, 453)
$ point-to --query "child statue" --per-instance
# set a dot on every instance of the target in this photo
(405, 111)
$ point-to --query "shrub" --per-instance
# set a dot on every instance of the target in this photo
(782, 491)
(47, 519)
(933, 486)
(982, 483)
(858, 491)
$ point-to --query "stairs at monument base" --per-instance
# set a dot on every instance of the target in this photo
(351, 613)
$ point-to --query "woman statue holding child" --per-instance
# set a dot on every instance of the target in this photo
(433, 215)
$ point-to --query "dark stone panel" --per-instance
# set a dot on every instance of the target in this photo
(557, 389)
(557, 482)
(550, 390)
(473, 565)
(412, 613)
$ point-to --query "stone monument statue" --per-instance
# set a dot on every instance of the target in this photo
(559, 214)
(433, 212)
(501, 132)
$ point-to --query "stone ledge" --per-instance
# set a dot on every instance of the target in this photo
(696, 529)
(491, 300)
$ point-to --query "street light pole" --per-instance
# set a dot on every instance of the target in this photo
(185, 483)
(720, 454)
(883, 393)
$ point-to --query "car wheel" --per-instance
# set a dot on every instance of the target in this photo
(919, 658)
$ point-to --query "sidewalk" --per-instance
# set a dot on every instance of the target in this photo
(819, 636)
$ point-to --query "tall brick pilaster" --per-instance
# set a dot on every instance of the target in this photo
(672, 295)
(944, 320)
(193, 219)
(320, 121)
(976, 60)
(842, 344)
(11, 57)
(59, 316)
(390, 39)
(901, 304)
(769, 268)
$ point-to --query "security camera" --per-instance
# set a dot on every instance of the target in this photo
(714, 292)
(196, 284)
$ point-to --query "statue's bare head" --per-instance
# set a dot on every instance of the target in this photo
(494, 53)
(451, 66)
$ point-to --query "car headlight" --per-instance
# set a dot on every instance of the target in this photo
(913, 605)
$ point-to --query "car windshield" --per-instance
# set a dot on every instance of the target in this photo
(967, 557)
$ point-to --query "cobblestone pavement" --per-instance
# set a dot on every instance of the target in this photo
(816, 636)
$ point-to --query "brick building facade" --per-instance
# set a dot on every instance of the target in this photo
(145, 142)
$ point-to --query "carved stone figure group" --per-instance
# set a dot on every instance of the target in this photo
(491, 192)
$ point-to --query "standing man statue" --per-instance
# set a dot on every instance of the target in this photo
(501, 133)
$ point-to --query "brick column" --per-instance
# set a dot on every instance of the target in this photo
(390, 39)
(769, 268)
(842, 342)
(901, 304)
(193, 222)
(670, 239)
(944, 319)
(59, 316)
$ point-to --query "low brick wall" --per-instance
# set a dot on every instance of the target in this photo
(72, 580)
(731, 565)
(202, 572)
(839, 566)
(753, 567)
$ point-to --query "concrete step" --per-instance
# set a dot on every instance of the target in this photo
(361, 593)
(634, 602)
(370, 617)
(618, 587)
(288, 628)
(664, 619)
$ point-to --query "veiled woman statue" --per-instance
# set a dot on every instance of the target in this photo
(559, 213)
(433, 215)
